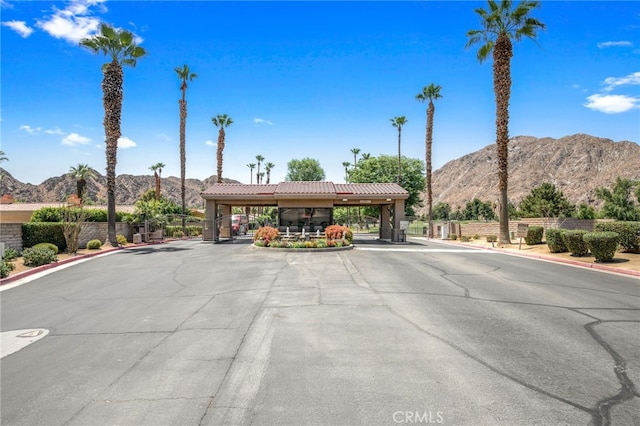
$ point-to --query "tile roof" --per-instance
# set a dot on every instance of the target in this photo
(313, 188)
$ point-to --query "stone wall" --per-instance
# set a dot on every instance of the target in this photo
(11, 233)
(493, 228)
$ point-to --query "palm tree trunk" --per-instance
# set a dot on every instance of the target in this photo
(430, 113)
(157, 185)
(221, 136)
(183, 160)
(399, 164)
(112, 100)
(502, 54)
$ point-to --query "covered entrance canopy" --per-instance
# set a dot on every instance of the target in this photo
(305, 195)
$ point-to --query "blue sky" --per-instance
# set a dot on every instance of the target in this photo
(303, 79)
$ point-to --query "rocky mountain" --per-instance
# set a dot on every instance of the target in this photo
(129, 188)
(575, 164)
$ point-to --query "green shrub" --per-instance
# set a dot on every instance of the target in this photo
(575, 243)
(94, 244)
(492, 238)
(534, 235)
(35, 233)
(54, 214)
(10, 254)
(603, 245)
(38, 256)
(49, 246)
(629, 234)
(465, 238)
(453, 236)
(121, 239)
(555, 241)
(476, 236)
(5, 269)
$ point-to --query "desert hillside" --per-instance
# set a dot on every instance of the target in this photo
(574, 164)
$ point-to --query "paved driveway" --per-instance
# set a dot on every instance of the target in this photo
(191, 333)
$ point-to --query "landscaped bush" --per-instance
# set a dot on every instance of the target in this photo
(453, 236)
(176, 231)
(574, 242)
(5, 269)
(492, 238)
(603, 245)
(34, 233)
(465, 238)
(10, 254)
(266, 234)
(49, 246)
(555, 241)
(629, 234)
(534, 235)
(121, 240)
(38, 256)
(336, 232)
(94, 244)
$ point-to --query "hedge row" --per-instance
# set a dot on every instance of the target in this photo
(35, 233)
(629, 233)
(55, 214)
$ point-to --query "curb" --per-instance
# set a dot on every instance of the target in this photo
(596, 266)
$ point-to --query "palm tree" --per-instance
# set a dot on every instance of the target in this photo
(268, 168)
(221, 121)
(185, 75)
(251, 166)
(260, 159)
(398, 122)
(346, 165)
(261, 175)
(81, 173)
(355, 152)
(157, 172)
(365, 156)
(500, 25)
(3, 157)
(429, 92)
(121, 48)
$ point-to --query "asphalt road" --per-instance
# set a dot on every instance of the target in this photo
(191, 333)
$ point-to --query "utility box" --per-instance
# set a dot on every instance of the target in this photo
(137, 238)
(444, 232)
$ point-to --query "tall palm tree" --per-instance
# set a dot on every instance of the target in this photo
(268, 168)
(251, 166)
(346, 165)
(185, 75)
(221, 121)
(3, 157)
(120, 47)
(81, 173)
(355, 152)
(398, 122)
(157, 172)
(501, 24)
(261, 175)
(430, 93)
(260, 159)
(365, 156)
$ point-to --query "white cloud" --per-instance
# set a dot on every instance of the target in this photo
(30, 130)
(613, 82)
(615, 44)
(74, 139)
(262, 121)
(55, 131)
(612, 104)
(73, 23)
(125, 143)
(210, 143)
(20, 27)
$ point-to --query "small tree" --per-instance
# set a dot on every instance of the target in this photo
(546, 201)
(618, 203)
(307, 169)
(72, 220)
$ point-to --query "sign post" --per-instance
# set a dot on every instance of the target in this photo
(523, 228)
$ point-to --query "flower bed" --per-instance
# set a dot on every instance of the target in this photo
(336, 237)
